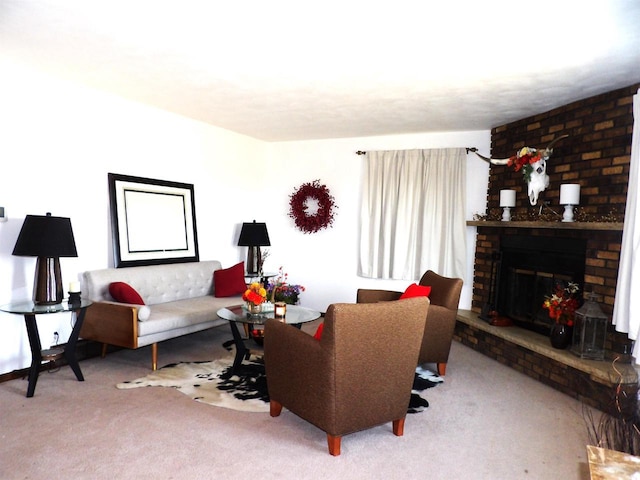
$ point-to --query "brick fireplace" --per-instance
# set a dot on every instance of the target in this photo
(596, 155)
(528, 269)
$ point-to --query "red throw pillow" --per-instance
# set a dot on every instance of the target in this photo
(229, 282)
(415, 290)
(318, 334)
(125, 293)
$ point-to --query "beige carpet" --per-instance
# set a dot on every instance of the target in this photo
(486, 421)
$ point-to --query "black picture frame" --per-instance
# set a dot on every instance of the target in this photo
(152, 221)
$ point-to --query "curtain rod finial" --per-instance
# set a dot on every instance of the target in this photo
(360, 152)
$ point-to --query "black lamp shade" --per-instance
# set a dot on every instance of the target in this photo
(47, 238)
(254, 235)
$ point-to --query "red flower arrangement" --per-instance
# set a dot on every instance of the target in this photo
(255, 294)
(523, 159)
(562, 304)
(322, 218)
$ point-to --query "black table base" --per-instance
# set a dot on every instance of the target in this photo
(36, 349)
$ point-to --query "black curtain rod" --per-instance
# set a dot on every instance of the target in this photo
(469, 149)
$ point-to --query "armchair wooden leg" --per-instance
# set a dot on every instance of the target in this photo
(334, 444)
(275, 408)
(441, 369)
(104, 350)
(398, 427)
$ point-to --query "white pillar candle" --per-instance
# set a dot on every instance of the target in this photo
(74, 287)
(507, 198)
(570, 194)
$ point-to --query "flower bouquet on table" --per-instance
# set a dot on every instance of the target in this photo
(562, 304)
(255, 296)
(280, 290)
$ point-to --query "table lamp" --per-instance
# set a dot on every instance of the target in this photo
(254, 235)
(569, 197)
(47, 238)
(507, 201)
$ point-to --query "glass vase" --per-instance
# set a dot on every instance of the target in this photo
(254, 308)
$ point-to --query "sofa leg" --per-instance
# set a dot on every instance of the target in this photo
(104, 350)
(275, 408)
(334, 444)
(398, 427)
(442, 367)
(154, 356)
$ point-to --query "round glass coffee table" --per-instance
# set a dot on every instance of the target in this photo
(237, 314)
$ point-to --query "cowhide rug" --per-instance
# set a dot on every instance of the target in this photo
(210, 382)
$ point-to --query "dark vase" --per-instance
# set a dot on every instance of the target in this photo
(560, 335)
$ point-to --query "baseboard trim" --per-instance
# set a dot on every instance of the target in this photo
(84, 349)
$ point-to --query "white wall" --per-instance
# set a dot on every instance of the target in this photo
(326, 262)
(60, 140)
(57, 145)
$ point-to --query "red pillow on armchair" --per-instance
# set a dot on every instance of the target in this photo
(318, 334)
(415, 290)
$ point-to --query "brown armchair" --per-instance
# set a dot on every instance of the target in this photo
(441, 320)
(358, 375)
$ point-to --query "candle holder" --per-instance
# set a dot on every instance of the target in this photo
(75, 298)
(569, 197)
(507, 201)
(280, 310)
(567, 216)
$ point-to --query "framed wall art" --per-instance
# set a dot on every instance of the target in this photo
(152, 221)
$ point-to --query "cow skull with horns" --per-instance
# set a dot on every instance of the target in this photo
(533, 165)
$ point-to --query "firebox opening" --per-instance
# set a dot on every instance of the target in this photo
(529, 269)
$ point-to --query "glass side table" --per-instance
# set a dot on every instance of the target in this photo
(296, 316)
(30, 310)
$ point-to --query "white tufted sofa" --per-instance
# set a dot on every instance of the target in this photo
(179, 298)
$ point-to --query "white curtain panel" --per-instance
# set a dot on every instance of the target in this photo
(413, 214)
(626, 309)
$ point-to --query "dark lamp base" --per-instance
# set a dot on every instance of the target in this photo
(47, 286)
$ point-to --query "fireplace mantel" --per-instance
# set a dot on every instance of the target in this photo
(610, 226)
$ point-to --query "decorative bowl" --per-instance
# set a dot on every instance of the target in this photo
(258, 335)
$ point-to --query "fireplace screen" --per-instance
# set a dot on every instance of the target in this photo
(530, 268)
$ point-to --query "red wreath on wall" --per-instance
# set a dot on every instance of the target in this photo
(323, 218)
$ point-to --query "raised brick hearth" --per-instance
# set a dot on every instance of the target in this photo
(593, 382)
(596, 155)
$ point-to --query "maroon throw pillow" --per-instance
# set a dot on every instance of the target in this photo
(125, 293)
(318, 334)
(229, 282)
(415, 290)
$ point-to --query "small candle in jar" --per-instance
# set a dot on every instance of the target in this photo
(280, 309)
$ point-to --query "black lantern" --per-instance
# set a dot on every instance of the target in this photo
(590, 330)
(47, 238)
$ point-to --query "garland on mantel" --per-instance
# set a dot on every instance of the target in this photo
(495, 214)
(323, 218)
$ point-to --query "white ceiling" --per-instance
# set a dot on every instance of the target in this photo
(294, 70)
